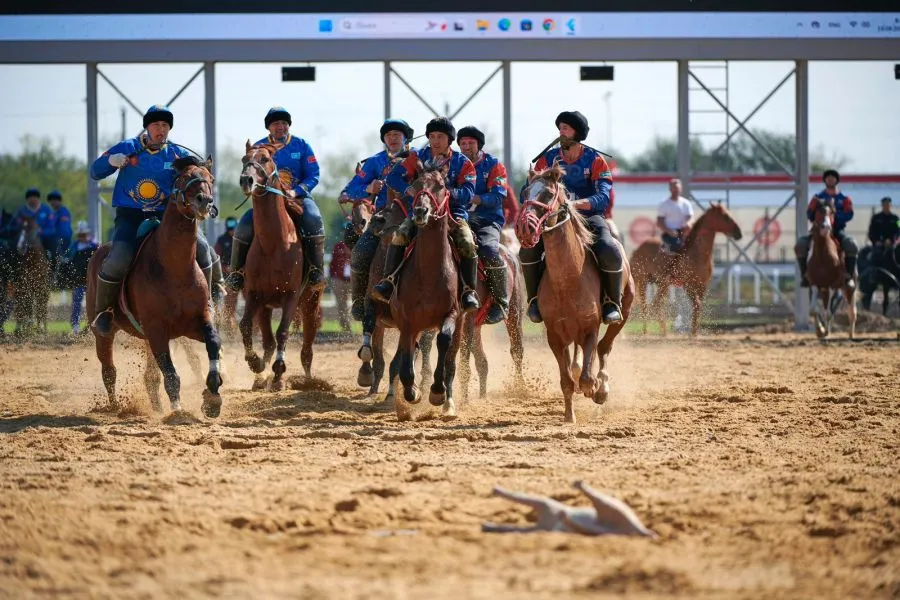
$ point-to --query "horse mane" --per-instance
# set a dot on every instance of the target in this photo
(695, 229)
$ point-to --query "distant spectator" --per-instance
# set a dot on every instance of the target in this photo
(76, 263)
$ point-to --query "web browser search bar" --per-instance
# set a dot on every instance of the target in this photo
(389, 25)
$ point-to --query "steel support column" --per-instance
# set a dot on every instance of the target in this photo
(209, 115)
(507, 114)
(684, 127)
(801, 177)
(93, 186)
(387, 89)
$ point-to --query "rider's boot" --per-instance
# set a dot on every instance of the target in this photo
(612, 282)
(850, 265)
(314, 251)
(496, 284)
(384, 289)
(239, 250)
(532, 273)
(104, 303)
(801, 262)
(468, 269)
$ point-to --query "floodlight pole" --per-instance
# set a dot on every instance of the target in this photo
(801, 178)
(93, 186)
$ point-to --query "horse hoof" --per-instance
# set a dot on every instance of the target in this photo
(366, 376)
(412, 395)
(588, 386)
(259, 383)
(436, 398)
(212, 404)
(365, 353)
(449, 411)
(213, 382)
(256, 364)
(277, 384)
(279, 368)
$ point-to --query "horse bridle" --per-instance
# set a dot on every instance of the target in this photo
(440, 208)
(266, 187)
(356, 203)
(181, 191)
(530, 226)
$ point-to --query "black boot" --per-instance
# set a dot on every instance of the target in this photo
(384, 289)
(104, 303)
(801, 262)
(239, 250)
(214, 282)
(532, 273)
(612, 296)
(359, 283)
(314, 251)
(850, 264)
(468, 269)
(496, 283)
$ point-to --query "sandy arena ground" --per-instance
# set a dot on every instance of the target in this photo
(768, 465)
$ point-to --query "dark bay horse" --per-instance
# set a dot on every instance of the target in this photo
(473, 343)
(826, 274)
(879, 266)
(31, 282)
(274, 269)
(570, 294)
(426, 295)
(371, 371)
(690, 268)
(166, 293)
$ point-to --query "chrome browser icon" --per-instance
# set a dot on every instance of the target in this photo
(548, 24)
(504, 24)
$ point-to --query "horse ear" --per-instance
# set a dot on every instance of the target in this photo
(209, 162)
(247, 149)
(531, 172)
(419, 166)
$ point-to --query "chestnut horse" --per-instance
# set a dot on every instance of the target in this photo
(371, 371)
(32, 281)
(427, 295)
(825, 272)
(473, 343)
(273, 273)
(165, 295)
(690, 268)
(570, 295)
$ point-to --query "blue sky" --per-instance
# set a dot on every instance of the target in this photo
(853, 105)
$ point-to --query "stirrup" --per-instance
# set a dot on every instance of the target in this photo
(95, 326)
(378, 295)
(618, 310)
(235, 280)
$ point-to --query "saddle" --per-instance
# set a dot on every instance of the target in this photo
(144, 233)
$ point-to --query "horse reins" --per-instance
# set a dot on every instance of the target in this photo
(180, 191)
(529, 226)
(440, 208)
(267, 189)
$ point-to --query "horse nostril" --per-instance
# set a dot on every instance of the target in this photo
(245, 180)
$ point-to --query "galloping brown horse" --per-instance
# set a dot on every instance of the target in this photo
(274, 269)
(427, 295)
(569, 295)
(166, 293)
(371, 371)
(690, 268)
(473, 343)
(32, 281)
(826, 273)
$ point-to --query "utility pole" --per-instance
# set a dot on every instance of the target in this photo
(124, 134)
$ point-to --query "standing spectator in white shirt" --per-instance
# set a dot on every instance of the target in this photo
(673, 216)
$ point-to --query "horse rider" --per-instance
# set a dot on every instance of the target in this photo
(460, 180)
(77, 258)
(42, 215)
(884, 228)
(673, 217)
(843, 214)
(486, 216)
(298, 170)
(142, 190)
(588, 179)
(396, 135)
(63, 235)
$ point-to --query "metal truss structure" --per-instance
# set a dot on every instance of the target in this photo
(684, 51)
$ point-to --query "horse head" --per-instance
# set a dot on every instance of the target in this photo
(431, 198)
(718, 219)
(543, 198)
(361, 212)
(194, 190)
(260, 170)
(29, 236)
(822, 224)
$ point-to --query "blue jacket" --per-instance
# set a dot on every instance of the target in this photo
(298, 168)
(461, 179)
(146, 181)
(491, 188)
(44, 216)
(64, 225)
(843, 208)
(588, 178)
(375, 167)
